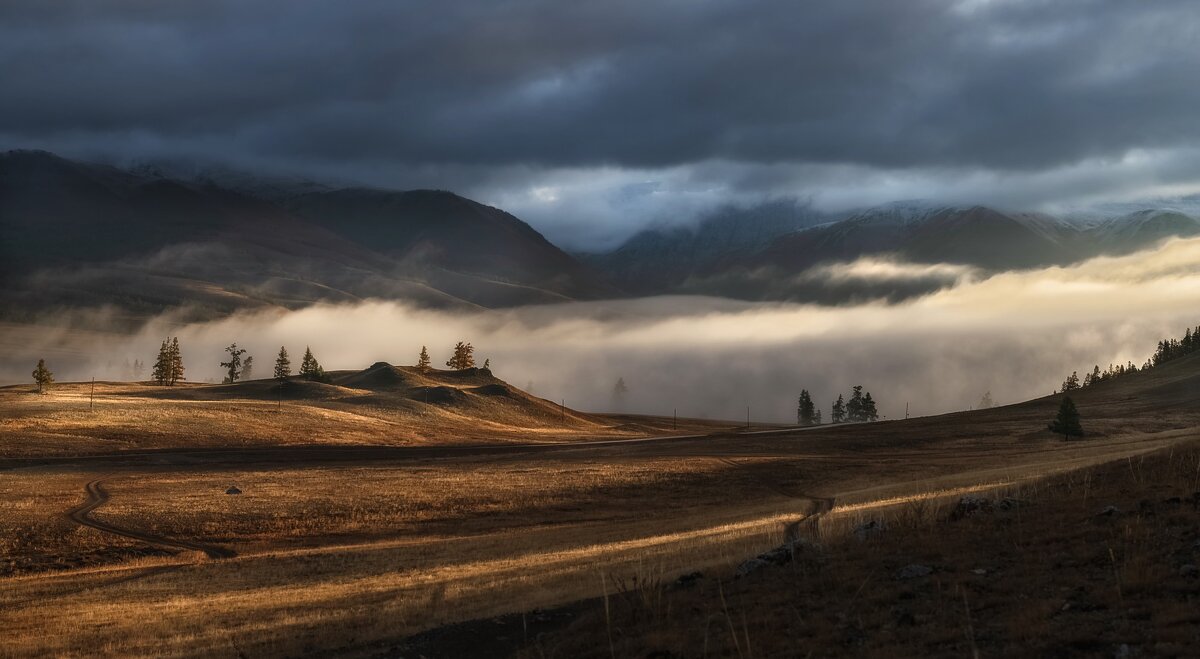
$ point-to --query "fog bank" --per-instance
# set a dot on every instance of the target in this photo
(1014, 334)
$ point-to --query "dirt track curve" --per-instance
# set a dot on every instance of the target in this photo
(97, 497)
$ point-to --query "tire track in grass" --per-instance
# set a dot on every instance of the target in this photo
(98, 496)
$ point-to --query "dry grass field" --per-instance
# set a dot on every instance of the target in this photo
(347, 539)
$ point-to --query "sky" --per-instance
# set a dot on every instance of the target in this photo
(593, 119)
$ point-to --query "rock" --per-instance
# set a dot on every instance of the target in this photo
(979, 571)
(1010, 503)
(971, 505)
(869, 529)
(914, 571)
(1189, 570)
(233, 490)
(1108, 511)
(749, 566)
(688, 580)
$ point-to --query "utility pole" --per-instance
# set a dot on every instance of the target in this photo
(92, 396)
(675, 418)
(747, 417)
(906, 411)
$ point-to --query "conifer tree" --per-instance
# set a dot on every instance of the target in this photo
(854, 407)
(423, 363)
(42, 376)
(283, 365)
(805, 410)
(487, 365)
(986, 402)
(248, 369)
(161, 372)
(233, 367)
(139, 369)
(1067, 421)
(1071, 383)
(175, 363)
(817, 418)
(838, 413)
(869, 413)
(310, 369)
(463, 358)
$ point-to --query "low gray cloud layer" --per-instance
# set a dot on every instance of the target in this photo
(576, 104)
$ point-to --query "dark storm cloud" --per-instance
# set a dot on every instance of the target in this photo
(883, 84)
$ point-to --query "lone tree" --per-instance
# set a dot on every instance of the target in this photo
(310, 369)
(42, 376)
(248, 369)
(838, 413)
(1067, 421)
(487, 366)
(806, 414)
(283, 366)
(176, 362)
(233, 367)
(463, 358)
(423, 364)
(986, 402)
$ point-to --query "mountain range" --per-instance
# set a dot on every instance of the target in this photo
(144, 239)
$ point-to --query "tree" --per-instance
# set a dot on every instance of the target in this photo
(310, 369)
(1071, 383)
(1067, 421)
(620, 388)
(487, 365)
(42, 376)
(175, 363)
(162, 368)
(838, 413)
(283, 366)
(805, 410)
(817, 418)
(869, 413)
(854, 407)
(986, 402)
(139, 369)
(233, 367)
(463, 358)
(248, 369)
(423, 364)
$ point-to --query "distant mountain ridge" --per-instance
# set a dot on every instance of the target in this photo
(84, 235)
(79, 235)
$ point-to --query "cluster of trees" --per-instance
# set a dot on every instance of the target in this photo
(168, 367)
(310, 368)
(859, 409)
(1167, 350)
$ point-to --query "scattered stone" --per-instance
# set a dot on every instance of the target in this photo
(1189, 570)
(869, 529)
(914, 571)
(1010, 503)
(688, 580)
(980, 571)
(233, 490)
(971, 505)
(1108, 511)
(749, 566)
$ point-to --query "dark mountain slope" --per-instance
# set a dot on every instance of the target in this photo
(81, 235)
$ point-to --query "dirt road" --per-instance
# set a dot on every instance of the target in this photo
(97, 497)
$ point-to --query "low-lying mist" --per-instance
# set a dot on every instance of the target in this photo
(1015, 334)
